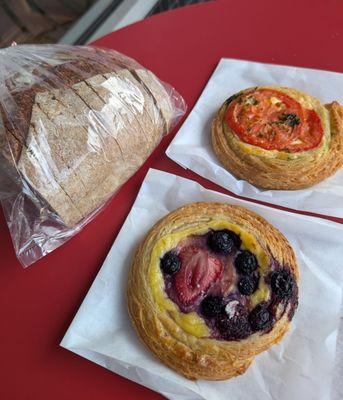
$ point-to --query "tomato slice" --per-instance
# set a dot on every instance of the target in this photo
(311, 134)
(272, 120)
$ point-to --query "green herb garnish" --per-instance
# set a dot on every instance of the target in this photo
(290, 119)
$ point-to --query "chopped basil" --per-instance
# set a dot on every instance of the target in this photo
(290, 119)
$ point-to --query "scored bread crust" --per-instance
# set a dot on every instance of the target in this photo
(263, 170)
(58, 141)
(192, 357)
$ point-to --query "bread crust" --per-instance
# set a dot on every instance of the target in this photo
(190, 356)
(266, 169)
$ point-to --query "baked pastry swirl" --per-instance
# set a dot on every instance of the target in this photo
(211, 286)
(278, 137)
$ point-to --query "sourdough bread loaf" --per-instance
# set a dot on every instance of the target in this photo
(81, 130)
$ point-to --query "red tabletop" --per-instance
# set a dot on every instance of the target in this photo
(182, 47)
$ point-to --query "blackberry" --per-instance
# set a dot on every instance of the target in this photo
(223, 241)
(170, 263)
(211, 306)
(234, 328)
(282, 283)
(248, 284)
(260, 318)
(245, 262)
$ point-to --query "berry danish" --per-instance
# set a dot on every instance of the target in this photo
(211, 286)
(278, 137)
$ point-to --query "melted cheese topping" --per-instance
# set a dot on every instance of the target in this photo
(191, 322)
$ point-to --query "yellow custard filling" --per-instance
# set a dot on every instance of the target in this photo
(247, 148)
(191, 322)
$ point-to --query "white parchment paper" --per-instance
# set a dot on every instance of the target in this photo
(300, 368)
(191, 147)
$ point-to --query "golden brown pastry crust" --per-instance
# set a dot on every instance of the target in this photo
(202, 358)
(306, 169)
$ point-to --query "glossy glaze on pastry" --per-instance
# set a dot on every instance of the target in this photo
(278, 138)
(211, 286)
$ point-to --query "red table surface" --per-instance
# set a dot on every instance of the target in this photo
(182, 47)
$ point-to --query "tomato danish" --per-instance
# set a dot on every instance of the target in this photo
(278, 138)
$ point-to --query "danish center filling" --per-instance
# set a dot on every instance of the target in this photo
(217, 281)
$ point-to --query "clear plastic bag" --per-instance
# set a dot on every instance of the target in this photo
(75, 123)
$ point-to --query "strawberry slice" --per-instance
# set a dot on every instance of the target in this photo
(199, 270)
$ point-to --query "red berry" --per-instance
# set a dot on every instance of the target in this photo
(197, 273)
